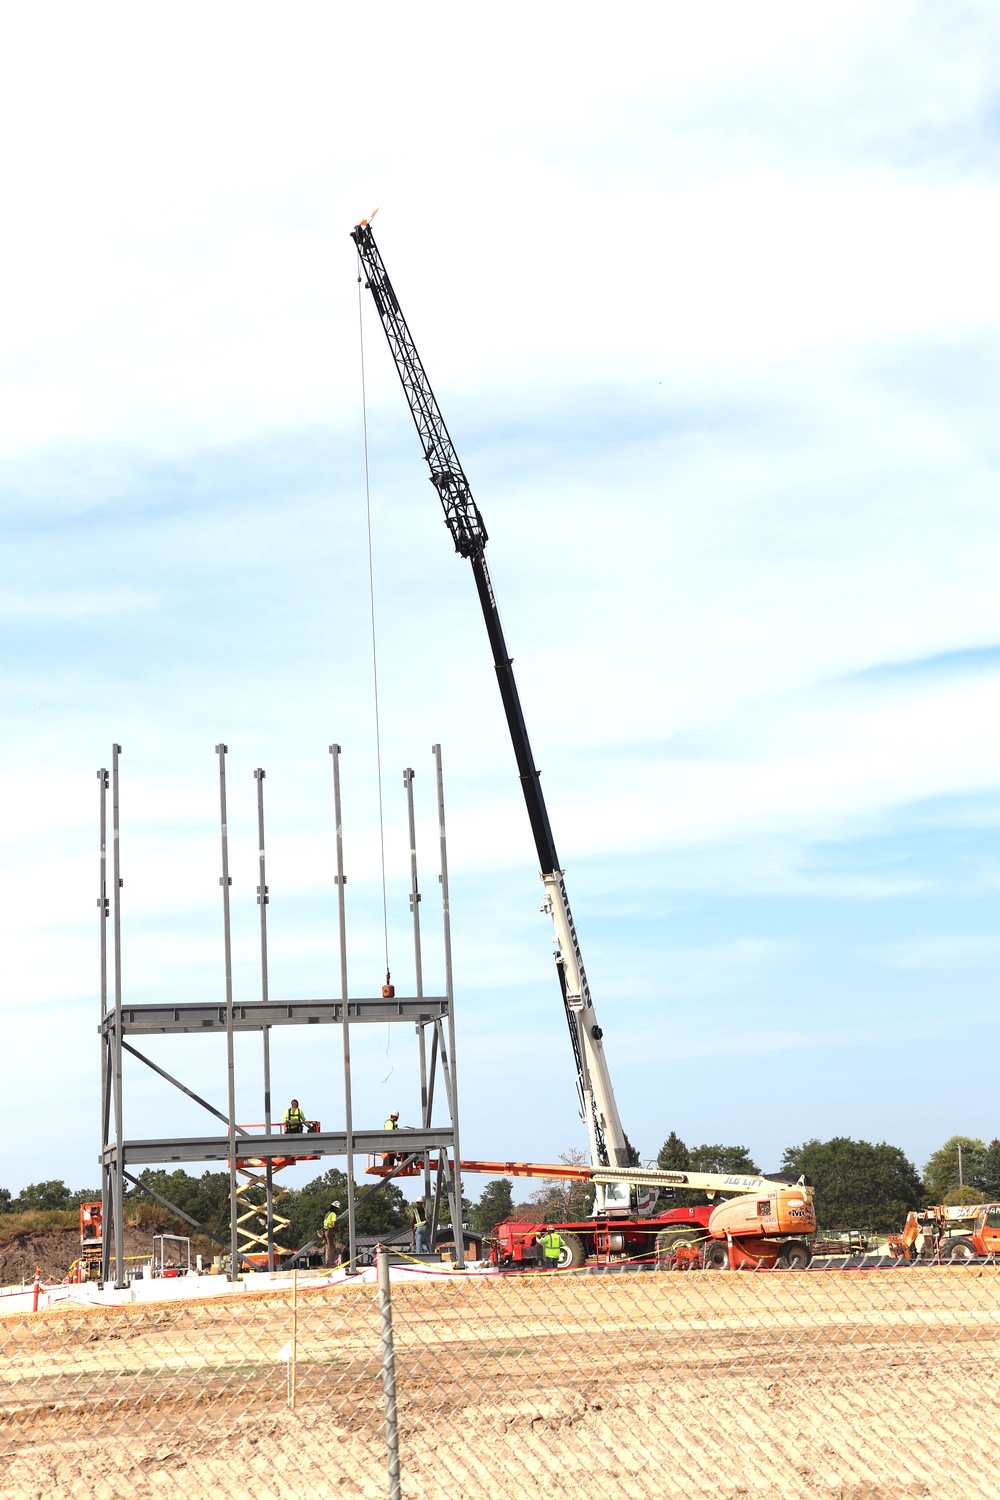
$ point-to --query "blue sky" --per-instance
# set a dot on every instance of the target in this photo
(710, 305)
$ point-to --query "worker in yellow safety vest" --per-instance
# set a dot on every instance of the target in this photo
(331, 1244)
(421, 1232)
(552, 1247)
(295, 1120)
(390, 1158)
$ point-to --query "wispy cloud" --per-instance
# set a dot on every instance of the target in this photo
(715, 324)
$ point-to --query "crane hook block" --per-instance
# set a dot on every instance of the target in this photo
(388, 989)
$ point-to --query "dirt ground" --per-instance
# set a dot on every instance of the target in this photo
(854, 1385)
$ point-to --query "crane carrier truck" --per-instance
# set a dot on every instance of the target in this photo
(624, 1218)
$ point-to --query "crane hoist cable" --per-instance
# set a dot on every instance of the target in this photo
(371, 601)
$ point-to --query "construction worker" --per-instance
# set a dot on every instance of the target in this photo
(295, 1120)
(391, 1158)
(331, 1241)
(421, 1232)
(552, 1247)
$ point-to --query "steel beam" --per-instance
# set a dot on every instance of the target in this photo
(323, 1143)
(194, 1015)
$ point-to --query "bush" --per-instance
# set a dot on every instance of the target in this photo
(36, 1220)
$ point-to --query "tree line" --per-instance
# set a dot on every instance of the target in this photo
(858, 1185)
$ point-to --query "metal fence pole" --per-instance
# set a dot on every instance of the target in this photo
(388, 1374)
(295, 1337)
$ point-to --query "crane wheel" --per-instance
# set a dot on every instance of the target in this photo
(717, 1256)
(572, 1253)
(958, 1252)
(794, 1256)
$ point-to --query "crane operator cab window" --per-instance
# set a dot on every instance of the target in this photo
(993, 1218)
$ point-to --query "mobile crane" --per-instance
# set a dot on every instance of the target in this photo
(609, 1144)
(764, 1226)
(625, 1218)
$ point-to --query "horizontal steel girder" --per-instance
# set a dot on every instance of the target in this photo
(193, 1015)
(324, 1143)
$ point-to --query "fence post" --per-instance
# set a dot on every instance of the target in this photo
(388, 1373)
(38, 1286)
(295, 1337)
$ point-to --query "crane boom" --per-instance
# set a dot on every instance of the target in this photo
(608, 1142)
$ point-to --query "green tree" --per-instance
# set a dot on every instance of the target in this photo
(5, 1200)
(725, 1159)
(674, 1156)
(84, 1195)
(205, 1198)
(375, 1213)
(43, 1195)
(941, 1174)
(495, 1205)
(991, 1172)
(857, 1185)
(964, 1194)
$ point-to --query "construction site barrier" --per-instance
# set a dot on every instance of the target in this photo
(847, 1384)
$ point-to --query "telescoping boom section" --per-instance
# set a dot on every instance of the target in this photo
(617, 1182)
(608, 1143)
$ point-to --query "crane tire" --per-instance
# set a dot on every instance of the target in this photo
(958, 1252)
(572, 1254)
(717, 1256)
(794, 1256)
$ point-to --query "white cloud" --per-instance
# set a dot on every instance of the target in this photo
(709, 299)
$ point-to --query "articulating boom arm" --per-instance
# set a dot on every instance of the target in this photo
(608, 1142)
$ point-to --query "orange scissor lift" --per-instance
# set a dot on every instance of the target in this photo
(252, 1214)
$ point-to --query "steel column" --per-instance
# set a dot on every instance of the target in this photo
(262, 902)
(225, 881)
(352, 1238)
(118, 1186)
(102, 902)
(418, 965)
(449, 989)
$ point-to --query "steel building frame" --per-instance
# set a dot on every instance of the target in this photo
(120, 1020)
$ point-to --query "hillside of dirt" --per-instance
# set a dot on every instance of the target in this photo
(54, 1251)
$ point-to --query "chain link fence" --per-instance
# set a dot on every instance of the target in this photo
(859, 1385)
